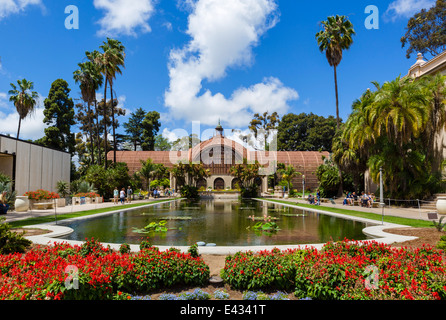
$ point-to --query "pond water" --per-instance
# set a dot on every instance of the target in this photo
(220, 222)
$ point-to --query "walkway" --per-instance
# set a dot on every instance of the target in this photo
(14, 216)
(411, 213)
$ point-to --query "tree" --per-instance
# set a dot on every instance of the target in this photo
(305, 132)
(151, 126)
(59, 116)
(264, 123)
(425, 31)
(162, 144)
(247, 175)
(134, 128)
(89, 79)
(24, 99)
(336, 36)
(288, 173)
(109, 63)
(148, 170)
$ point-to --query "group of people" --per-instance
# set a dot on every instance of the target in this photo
(122, 195)
(315, 199)
(365, 200)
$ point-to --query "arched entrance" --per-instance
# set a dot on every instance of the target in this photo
(219, 184)
(202, 183)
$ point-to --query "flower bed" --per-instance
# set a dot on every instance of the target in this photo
(344, 270)
(50, 272)
(41, 194)
(87, 195)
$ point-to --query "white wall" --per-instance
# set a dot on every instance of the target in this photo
(36, 167)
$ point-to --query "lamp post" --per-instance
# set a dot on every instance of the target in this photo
(381, 193)
(303, 187)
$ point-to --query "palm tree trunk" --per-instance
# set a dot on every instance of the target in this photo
(113, 123)
(90, 129)
(337, 97)
(98, 135)
(18, 129)
(105, 123)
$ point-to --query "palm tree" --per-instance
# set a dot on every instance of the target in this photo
(148, 170)
(24, 99)
(89, 79)
(288, 174)
(400, 110)
(110, 62)
(335, 37)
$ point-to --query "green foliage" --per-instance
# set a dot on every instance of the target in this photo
(59, 116)
(193, 250)
(189, 192)
(124, 248)
(105, 180)
(134, 129)
(425, 31)
(11, 242)
(329, 179)
(440, 224)
(63, 188)
(153, 227)
(10, 194)
(305, 132)
(151, 126)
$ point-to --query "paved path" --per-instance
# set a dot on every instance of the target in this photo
(412, 213)
(14, 216)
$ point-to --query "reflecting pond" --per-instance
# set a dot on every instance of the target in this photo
(221, 222)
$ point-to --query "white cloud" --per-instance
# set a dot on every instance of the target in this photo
(407, 8)
(124, 17)
(8, 7)
(223, 34)
(32, 127)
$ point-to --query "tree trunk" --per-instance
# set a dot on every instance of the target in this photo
(98, 135)
(18, 129)
(113, 123)
(105, 123)
(337, 97)
(90, 129)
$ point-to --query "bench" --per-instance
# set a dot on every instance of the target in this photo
(43, 205)
(375, 205)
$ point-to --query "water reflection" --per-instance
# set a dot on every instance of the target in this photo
(223, 222)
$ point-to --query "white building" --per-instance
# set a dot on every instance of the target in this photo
(31, 166)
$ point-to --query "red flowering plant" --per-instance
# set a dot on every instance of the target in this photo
(41, 194)
(87, 195)
(343, 270)
(92, 271)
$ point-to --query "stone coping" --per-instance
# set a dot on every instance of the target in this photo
(376, 231)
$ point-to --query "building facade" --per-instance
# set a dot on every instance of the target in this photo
(31, 166)
(219, 154)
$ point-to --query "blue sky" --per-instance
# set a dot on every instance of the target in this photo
(202, 60)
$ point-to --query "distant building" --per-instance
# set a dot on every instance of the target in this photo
(219, 154)
(32, 166)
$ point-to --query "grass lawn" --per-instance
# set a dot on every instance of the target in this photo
(368, 215)
(50, 218)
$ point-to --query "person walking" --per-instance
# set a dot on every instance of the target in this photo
(129, 194)
(115, 195)
(122, 195)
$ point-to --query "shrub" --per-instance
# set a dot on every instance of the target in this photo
(193, 250)
(124, 248)
(189, 192)
(11, 242)
(268, 269)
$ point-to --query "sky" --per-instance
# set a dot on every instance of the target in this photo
(198, 62)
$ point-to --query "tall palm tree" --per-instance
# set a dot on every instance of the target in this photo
(24, 99)
(110, 61)
(288, 173)
(148, 170)
(89, 79)
(336, 36)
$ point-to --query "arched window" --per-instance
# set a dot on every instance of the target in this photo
(219, 184)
